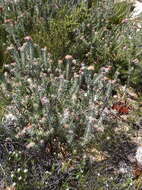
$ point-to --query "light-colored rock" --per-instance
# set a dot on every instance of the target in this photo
(138, 9)
(139, 156)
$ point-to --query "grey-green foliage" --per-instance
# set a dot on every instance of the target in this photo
(4, 101)
(54, 98)
(49, 101)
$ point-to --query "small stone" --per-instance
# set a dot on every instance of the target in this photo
(138, 156)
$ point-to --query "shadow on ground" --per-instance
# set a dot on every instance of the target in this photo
(114, 171)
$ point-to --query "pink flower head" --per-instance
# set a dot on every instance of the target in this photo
(13, 64)
(125, 20)
(105, 78)
(112, 81)
(7, 21)
(91, 68)
(10, 48)
(44, 100)
(68, 57)
(43, 49)
(28, 38)
(60, 61)
(106, 69)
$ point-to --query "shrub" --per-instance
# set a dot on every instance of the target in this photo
(50, 104)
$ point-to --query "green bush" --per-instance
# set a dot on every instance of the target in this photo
(58, 32)
(102, 34)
